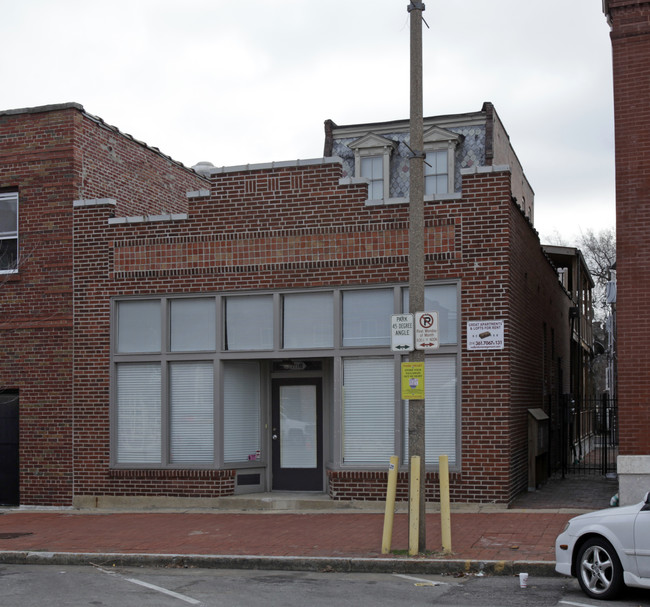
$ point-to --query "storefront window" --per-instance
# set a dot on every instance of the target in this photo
(368, 410)
(439, 410)
(366, 317)
(241, 411)
(191, 398)
(169, 411)
(138, 413)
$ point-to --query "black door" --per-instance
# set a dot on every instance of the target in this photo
(9, 449)
(297, 420)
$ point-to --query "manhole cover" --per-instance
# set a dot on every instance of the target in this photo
(11, 536)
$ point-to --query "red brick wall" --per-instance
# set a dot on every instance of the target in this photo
(539, 334)
(53, 157)
(301, 229)
(142, 181)
(372, 485)
(485, 374)
(631, 67)
(36, 152)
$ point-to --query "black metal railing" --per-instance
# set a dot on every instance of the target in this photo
(588, 436)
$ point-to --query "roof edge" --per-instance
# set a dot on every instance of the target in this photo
(57, 107)
(285, 164)
(403, 124)
(39, 109)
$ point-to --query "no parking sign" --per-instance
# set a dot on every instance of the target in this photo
(426, 330)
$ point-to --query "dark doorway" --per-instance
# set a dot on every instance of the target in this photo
(297, 422)
(9, 478)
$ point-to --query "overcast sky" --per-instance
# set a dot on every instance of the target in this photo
(236, 82)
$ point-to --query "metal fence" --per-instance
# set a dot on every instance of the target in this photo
(589, 436)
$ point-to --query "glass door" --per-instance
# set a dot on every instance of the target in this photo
(297, 435)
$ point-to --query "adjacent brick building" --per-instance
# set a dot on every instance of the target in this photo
(193, 333)
(630, 37)
(50, 157)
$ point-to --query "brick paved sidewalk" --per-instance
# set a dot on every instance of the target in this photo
(494, 536)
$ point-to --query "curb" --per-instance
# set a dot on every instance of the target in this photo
(283, 563)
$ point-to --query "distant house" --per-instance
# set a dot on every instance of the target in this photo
(175, 333)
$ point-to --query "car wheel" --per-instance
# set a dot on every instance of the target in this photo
(599, 569)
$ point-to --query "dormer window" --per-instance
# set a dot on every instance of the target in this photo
(436, 172)
(372, 162)
(372, 169)
(440, 149)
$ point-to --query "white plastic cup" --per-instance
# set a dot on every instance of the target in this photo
(523, 580)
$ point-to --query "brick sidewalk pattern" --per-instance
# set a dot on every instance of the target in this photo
(494, 536)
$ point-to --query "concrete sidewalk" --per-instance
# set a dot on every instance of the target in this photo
(493, 541)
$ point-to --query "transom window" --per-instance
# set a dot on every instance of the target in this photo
(365, 314)
(248, 322)
(308, 320)
(8, 232)
(139, 326)
(441, 299)
(192, 325)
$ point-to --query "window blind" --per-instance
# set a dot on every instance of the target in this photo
(369, 410)
(138, 413)
(191, 396)
(241, 414)
(439, 410)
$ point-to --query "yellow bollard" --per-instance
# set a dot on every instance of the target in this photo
(445, 514)
(414, 506)
(389, 515)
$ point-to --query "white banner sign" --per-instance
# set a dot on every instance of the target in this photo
(485, 335)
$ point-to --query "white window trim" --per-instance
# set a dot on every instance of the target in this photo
(374, 145)
(10, 196)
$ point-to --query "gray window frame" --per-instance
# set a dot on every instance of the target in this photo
(333, 357)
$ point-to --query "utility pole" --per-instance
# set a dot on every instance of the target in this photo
(416, 247)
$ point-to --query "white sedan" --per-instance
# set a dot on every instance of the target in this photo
(607, 549)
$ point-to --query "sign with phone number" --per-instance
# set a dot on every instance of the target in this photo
(485, 335)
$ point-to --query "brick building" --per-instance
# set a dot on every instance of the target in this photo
(178, 333)
(630, 37)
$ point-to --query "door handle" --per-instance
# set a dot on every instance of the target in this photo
(275, 437)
